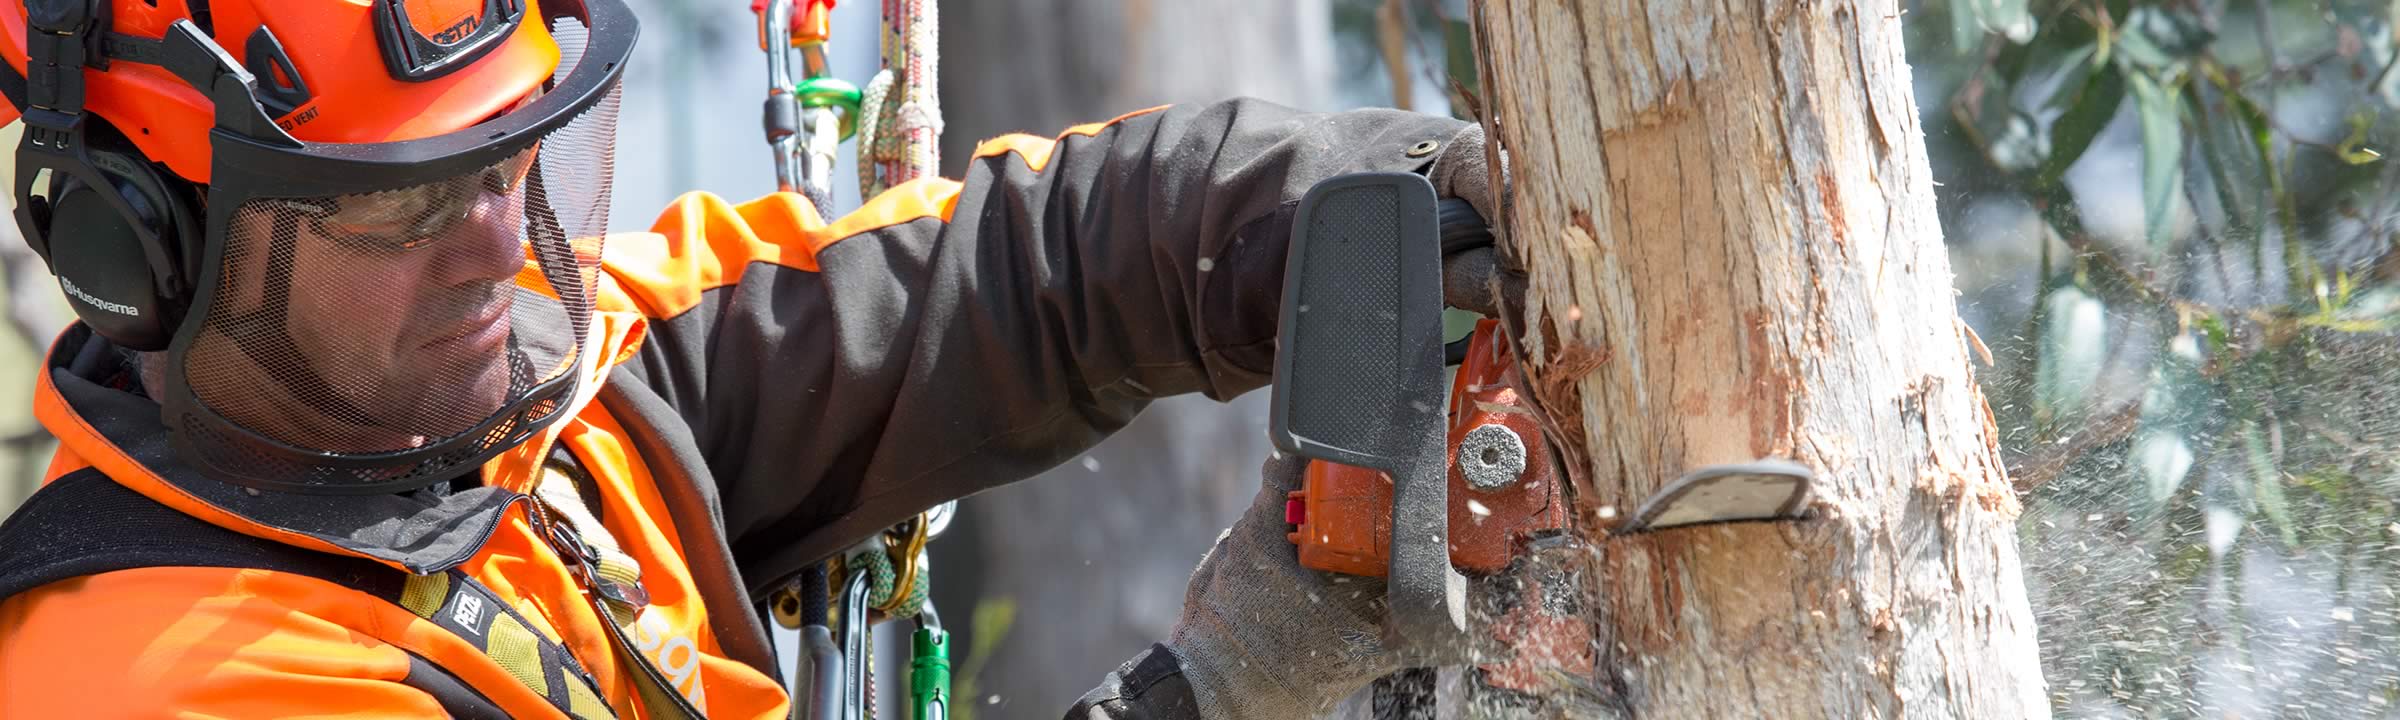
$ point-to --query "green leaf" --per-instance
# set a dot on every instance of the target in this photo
(2229, 161)
(1970, 19)
(2162, 151)
(993, 619)
(2354, 148)
(2136, 48)
(2166, 458)
(2212, 328)
(2262, 145)
(2178, 411)
(2374, 309)
(2153, 36)
(1966, 25)
(2089, 109)
(2267, 484)
(1458, 60)
(2074, 348)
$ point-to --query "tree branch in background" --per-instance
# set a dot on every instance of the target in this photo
(1391, 34)
(2383, 74)
(2042, 463)
(2379, 222)
(1436, 67)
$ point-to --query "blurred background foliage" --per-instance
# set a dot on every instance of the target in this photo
(2171, 223)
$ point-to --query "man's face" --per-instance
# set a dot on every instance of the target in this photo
(399, 302)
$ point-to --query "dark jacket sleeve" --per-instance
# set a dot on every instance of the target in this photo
(954, 336)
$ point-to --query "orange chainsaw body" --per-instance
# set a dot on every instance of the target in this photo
(1343, 514)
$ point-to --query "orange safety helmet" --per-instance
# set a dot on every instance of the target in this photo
(323, 65)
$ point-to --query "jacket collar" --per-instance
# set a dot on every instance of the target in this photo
(121, 434)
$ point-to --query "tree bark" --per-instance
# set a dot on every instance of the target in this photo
(1728, 220)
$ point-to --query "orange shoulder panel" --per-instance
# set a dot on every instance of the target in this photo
(62, 462)
(1036, 150)
(226, 643)
(701, 242)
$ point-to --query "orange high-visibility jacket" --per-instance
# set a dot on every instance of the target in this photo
(768, 388)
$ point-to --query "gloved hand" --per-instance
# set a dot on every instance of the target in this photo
(1464, 171)
(1475, 280)
(1262, 638)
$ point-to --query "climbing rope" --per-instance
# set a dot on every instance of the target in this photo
(900, 123)
(896, 582)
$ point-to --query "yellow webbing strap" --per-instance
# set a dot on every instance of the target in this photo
(467, 609)
(558, 493)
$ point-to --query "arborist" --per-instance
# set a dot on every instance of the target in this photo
(368, 413)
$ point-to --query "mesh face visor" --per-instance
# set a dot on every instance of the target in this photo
(375, 318)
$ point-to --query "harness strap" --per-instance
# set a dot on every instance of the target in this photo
(611, 579)
(86, 524)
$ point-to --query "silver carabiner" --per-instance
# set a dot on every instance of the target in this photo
(783, 109)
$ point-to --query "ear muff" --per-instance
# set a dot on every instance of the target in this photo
(117, 246)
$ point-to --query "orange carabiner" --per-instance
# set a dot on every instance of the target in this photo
(811, 22)
(814, 24)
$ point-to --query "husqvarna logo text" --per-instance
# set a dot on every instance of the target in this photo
(114, 307)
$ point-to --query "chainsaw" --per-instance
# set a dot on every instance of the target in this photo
(1434, 502)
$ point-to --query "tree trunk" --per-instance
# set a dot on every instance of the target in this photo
(1729, 223)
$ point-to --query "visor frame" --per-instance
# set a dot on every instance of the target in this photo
(245, 164)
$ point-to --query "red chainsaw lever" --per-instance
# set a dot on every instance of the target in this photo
(1503, 489)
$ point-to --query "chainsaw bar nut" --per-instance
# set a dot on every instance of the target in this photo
(1491, 457)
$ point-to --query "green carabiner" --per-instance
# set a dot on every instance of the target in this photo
(831, 92)
(929, 674)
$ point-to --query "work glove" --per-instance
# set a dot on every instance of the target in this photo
(1475, 279)
(1463, 171)
(1262, 638)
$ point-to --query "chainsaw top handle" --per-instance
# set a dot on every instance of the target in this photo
(1359, 374)
(1463, 229)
